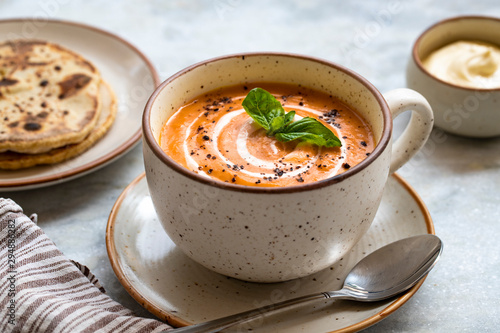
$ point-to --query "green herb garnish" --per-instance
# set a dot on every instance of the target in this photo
(267, 111)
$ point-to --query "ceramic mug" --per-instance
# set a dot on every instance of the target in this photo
(275, 234)
(457, 110)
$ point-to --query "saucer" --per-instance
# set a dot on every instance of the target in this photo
(176, 289)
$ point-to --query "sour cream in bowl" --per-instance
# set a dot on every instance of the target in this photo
(455, 64)
(472, 64)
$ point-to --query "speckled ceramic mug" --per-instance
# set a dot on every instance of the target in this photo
(276, 234)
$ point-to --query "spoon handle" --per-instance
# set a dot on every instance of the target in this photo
(225, 322)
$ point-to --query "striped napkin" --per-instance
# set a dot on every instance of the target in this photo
(43, 291)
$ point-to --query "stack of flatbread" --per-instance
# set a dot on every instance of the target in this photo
(54, 104)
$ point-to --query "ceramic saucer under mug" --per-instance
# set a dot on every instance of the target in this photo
(176, 289)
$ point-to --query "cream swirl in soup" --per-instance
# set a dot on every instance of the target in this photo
(214, 137)
(469, 64)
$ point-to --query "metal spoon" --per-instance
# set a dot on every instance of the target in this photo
(382, 274)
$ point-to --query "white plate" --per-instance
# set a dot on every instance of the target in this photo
(176, 289)
(124, 67)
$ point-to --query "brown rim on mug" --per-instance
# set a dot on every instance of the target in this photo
(416, 45)
(380, 147)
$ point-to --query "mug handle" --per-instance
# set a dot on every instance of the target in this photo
(418, 129)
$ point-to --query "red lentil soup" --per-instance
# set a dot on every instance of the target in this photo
(213, 136)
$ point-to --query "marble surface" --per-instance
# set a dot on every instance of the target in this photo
(457, 178)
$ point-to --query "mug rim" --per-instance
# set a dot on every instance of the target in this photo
(171, 163)
(416, 45)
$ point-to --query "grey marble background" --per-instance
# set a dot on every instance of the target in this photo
(458, 178)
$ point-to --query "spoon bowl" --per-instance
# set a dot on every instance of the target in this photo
(384, 273)
(391, 269)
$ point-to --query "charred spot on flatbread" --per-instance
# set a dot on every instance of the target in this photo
(32, 126)
(22, 46)
(7, 82)
(21, 49)
(72, 84)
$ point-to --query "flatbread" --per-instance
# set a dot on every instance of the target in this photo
(49, 96)
(13, 161)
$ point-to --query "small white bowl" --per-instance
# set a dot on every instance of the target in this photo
(458, 110)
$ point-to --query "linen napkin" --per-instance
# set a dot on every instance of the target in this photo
(43, 291)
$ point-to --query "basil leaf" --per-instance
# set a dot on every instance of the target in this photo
(310, 130)
(307, 137)
(277, 124)
(267, 111)
(263, 108)
(289, 117)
